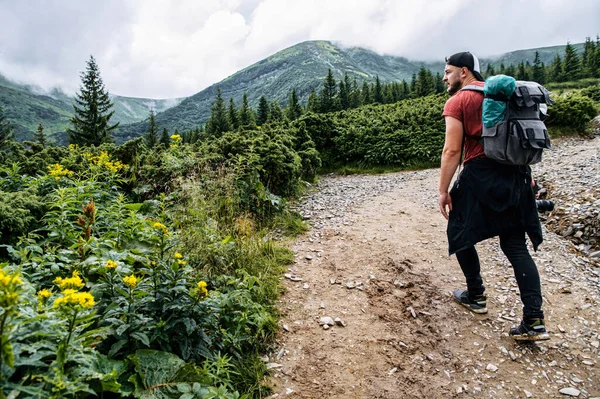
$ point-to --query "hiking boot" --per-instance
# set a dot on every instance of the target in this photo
(476, 305)
(536, 331)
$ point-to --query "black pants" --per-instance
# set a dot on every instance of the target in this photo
(528, 279)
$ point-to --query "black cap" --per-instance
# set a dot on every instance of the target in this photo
(468, 60)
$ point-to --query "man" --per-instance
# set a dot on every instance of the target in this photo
(488, 199)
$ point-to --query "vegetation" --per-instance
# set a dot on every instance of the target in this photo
(91, 122)
(148, 269)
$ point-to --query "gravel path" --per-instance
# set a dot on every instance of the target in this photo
(375, 262)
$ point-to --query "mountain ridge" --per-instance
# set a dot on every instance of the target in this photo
(302, 66)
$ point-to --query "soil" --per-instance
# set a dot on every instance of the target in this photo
(380, 263)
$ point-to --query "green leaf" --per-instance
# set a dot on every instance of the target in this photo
(141, 337)
(134, 207)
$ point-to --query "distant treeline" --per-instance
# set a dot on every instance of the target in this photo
(571, 66)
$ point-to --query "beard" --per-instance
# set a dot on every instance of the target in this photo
(454, 87)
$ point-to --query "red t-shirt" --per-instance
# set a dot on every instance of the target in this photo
(465, 106)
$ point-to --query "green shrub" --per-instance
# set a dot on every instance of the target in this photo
(592, 92)
(573, 112)
(20, 212)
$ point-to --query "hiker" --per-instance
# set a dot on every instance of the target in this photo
(488, 199)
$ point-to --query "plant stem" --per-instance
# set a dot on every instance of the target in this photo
(4, 317)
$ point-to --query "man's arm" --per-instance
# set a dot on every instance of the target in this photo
(450, 161)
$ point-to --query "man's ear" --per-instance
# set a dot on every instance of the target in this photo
(464, 71)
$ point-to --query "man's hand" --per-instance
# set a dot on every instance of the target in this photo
(445, 200)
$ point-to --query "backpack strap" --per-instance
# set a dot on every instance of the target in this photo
(462, 147)
(472, 88)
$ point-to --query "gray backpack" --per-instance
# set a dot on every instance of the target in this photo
(519, 135)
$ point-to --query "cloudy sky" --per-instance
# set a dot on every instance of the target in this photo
(165, 49)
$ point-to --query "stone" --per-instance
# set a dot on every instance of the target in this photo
(326, 327)
(272, 366)
(528, 394)
(326, 320)
(339, 322)
(491, 367)
(570, 391)
(306, 286)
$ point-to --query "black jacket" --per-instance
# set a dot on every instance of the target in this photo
(488, 199)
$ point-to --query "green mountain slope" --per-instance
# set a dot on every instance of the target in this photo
(304, 67)
(25, 108)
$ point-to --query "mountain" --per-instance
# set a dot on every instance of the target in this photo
(304, 67)
(27, 106)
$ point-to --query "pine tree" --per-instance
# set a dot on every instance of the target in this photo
(164, 137)
(247, 118)
(218, 123)
(313, 101)
(366, 96)
(345, 92)
(587, 58)
(234, 119)
(521, 72)
(439, 83)
(294, 109)
(596, 59)
(378, 92)
(490, 71)
(263, 111)
(538, 71)
(328, 94)
(151, 136)
(91, 122)
(275, 112)
(556, 70)
(40, 137)
(355, 95)
(571, 64)
(6, 132)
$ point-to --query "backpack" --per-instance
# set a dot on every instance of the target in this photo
(513, 132)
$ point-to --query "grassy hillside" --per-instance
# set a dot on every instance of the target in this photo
(304, 67)
(26, 109)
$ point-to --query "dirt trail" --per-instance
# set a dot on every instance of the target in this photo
(404, 337)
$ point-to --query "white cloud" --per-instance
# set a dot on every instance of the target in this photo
(160, 48)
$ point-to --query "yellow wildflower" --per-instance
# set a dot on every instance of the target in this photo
(181, 262)
(178, 255)
(176, 138)
(74, 298)
(44, 294)
(160, 226)
(111, 264)
(57, 171)
(202, 288)
(73, 282)
(72, 146)
(131, 281)
(8, 280)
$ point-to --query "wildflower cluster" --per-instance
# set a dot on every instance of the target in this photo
(73, 282)
(44, 295)
(71, 297)
(104, 163)
(160, 227)
(111, 264)
(57, 171)
(75, 298)
(200, 290)
(9, 287)
(131, 281)
(179, 258)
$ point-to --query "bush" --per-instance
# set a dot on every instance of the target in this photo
(573, 112)
(19, 214)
